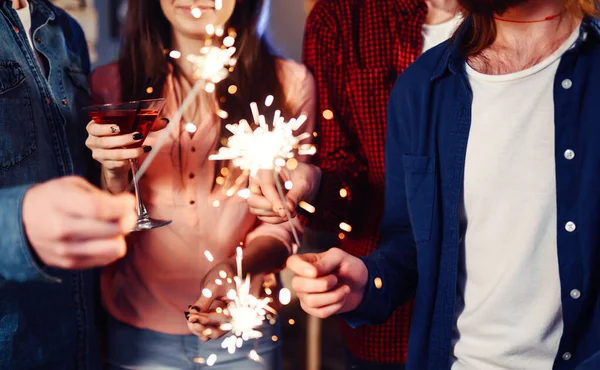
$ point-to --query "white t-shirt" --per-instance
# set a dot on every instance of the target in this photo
(435, 34)
(25, 15)
(508, 309)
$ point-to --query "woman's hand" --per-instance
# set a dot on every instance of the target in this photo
(206, 316)
(108, 146)
(265, 201)
(111, 150)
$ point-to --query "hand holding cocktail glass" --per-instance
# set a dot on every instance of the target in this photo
(116, 136)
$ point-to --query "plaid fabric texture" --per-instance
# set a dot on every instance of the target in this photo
(356, 49)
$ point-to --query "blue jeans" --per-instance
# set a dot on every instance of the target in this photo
(132, 348)
(354, 363)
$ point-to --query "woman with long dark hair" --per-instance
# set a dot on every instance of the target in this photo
(147, 292)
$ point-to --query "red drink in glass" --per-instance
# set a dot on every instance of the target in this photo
(129, 121)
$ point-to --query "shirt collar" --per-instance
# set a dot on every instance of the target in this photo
(454, 62)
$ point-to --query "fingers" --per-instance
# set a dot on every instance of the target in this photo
(318, 285)
(320, 300)
(101, 130)
(112, 142)
(98, 205)
(303, 265)
(90, 254)
(269, 191)
(261, 206)
(94, 229)
(102, 155)
(323, 312)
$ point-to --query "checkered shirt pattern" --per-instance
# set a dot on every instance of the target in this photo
(356, 49)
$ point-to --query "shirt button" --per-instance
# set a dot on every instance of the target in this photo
(191, 175)
(566, 356)
(570, 226)
(38, 40)
(193, 149)
(65, 102)
(575, 294)
(16, 29)
(192, 202)
(569, 154)
(567, 84)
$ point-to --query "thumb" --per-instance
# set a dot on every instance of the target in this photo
(329, 261)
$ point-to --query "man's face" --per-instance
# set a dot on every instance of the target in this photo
(489, 7)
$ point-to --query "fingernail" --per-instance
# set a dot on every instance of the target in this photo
(166, 120)
(194, 321)
(138, 136)
(187, 315)
(147, 149)
(114, 129)
(190, 306)
(195, 308)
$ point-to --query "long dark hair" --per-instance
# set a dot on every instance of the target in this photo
(143, 62)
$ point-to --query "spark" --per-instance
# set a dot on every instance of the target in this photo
(327, 114)
(218, 4)
(228, 41)
(207, 293)
(285, 296)
(196, 12)
(149, 90)
(307, 207)
(210, 29)
(211, 66)
(223, 274)
(219, 282)
(288, 185)
(378, 283)
(344, 226)
(190, 127)
(269, 100)
(216, 203)
(264, 148)
(291, 164)
(210, 361)
(208, 256)
(268, 291)
(343, 193)
(342, 236)
(274, 338)
(247, 312)
(199, 360)
(244, 193)
(292, 322)
(232, 89)
(254, 356)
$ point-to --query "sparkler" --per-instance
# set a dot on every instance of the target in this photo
(265, 148)
(211, 66)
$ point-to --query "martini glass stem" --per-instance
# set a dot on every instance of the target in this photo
(142, 213)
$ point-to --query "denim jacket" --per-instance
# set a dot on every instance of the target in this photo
(429, 121)
(46, 315)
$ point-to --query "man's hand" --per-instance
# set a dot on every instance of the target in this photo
(72, 225)
(328, 283)
(265, 201)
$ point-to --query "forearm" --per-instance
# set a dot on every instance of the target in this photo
(264, 254)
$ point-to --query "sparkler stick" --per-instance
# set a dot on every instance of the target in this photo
(285, 208)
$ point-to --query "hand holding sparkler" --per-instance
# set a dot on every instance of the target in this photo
(328, 283)
(301, 183)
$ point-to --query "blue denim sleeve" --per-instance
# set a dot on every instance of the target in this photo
(592, 363)
(18, 262)
(394, 263)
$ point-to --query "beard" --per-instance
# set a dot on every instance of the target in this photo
(488, 7)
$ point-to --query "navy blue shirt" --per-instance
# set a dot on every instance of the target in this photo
(429, 120)
(46, 315)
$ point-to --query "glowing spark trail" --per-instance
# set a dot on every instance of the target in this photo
(211, 66)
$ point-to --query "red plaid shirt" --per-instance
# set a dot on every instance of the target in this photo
(356, 49)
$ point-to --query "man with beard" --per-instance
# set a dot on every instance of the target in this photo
(492, 202)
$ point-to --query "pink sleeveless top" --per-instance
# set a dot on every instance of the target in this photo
(160, 276)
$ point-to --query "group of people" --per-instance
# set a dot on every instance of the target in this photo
(455, 136)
